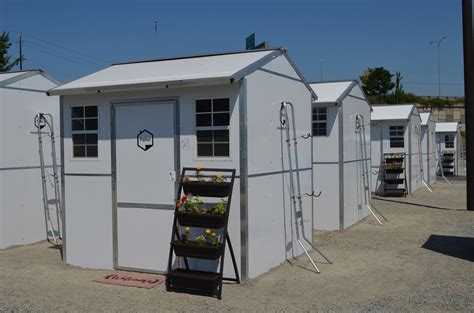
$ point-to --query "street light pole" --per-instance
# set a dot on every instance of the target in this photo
(439, 65)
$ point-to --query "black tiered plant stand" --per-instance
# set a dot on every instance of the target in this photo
(193, 281)
(394, 166)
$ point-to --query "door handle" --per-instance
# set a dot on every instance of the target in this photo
(172, 175)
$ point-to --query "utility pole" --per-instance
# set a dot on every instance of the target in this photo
(468, 40)
(20, 42)
(439, 65)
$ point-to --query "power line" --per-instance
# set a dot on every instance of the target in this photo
(65, 57)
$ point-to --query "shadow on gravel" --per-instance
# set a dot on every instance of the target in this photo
(60, 248)
(458, 247)
(417, 204)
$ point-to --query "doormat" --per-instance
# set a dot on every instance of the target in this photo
(130, 279)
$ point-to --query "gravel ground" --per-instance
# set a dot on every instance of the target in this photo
(420, 260)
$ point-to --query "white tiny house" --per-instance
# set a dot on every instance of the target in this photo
(428, 147)
(396, 130)
(341, 144)
(215, 111)
(22, 96)
(448, 139)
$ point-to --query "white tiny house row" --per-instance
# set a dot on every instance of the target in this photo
(428, 147)
(448, 139)
(339, 144)
(396, 129)
(215, 111)
(22, 96)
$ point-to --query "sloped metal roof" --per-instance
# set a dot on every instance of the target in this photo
(194, 70)
(8, 78)
(392, 112)
(7, 75)
(425, 117)
(447, 127)
(331, 92)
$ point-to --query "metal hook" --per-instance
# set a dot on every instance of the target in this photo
(313, 195)
(306, 136)
(375, 172)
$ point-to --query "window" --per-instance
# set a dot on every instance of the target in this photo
(84, 124)
(449, 141)
(397, 139)
(212, 127)
(320, 117)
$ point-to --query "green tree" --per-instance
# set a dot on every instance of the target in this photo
(377, 81)
(5, 63)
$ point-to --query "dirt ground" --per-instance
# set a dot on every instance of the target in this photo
(420, 260)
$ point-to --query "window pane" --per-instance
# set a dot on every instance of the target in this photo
(77, 124)
(204, 135)
(77, 112)
(91, 124)
(79, 151)
(220, 105)
(204, 149)
(221, 149)
(92, 151)
(203, 105)
(91, 139)
(221, 136)
(203, 120)
(78, 139)
(221, 119)
(91, 111)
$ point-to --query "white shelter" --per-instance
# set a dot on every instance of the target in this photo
(22, 96)
(341, 137)
(216, 111)
(428, 147)
(396, 129)
(448, 140)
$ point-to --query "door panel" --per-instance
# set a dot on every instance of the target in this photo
(145, 165)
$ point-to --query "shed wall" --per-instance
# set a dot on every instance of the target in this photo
(270, 218)
(22, 219)
(81, 176)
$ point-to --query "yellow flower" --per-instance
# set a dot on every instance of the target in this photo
(213, 234)
(198, 168)
(218, 175)
(208, 231)
(186, 229)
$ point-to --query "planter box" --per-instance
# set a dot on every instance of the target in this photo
(192, 250)
(200, 220)
(394, 170)
(193, 281)
(395, 181)
(206, 189)
(394, 160)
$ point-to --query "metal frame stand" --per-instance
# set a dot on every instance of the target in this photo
(420, 156)
(440, 163)
(360, 128)
(53, 236)
(295, 196)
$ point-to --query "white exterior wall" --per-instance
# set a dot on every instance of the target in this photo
(326, 174)
(440, 146)
(381, 145)
(89, 244)
(428, 144)
(354, 198)
(270, 214)
(22, 218)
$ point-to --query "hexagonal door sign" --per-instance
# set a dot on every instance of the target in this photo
(145, 140)
(39, 121)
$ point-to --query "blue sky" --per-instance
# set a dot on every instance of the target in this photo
(71, 38)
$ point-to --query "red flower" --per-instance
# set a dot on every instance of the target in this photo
(184, 197)
(178, 205)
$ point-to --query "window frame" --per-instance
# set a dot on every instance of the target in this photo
(212, 127)
(396, 138)
(319, 121)
(451, 142)
(84, 132)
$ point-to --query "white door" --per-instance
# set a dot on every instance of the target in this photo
(145, 182)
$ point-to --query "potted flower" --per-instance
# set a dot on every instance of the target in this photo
(394, 168)
(195, 215)
(214, 187)
(207, 246)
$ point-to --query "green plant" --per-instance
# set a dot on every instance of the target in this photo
(219, 208)
(190, 203)
(217, 179)
(209, 238)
